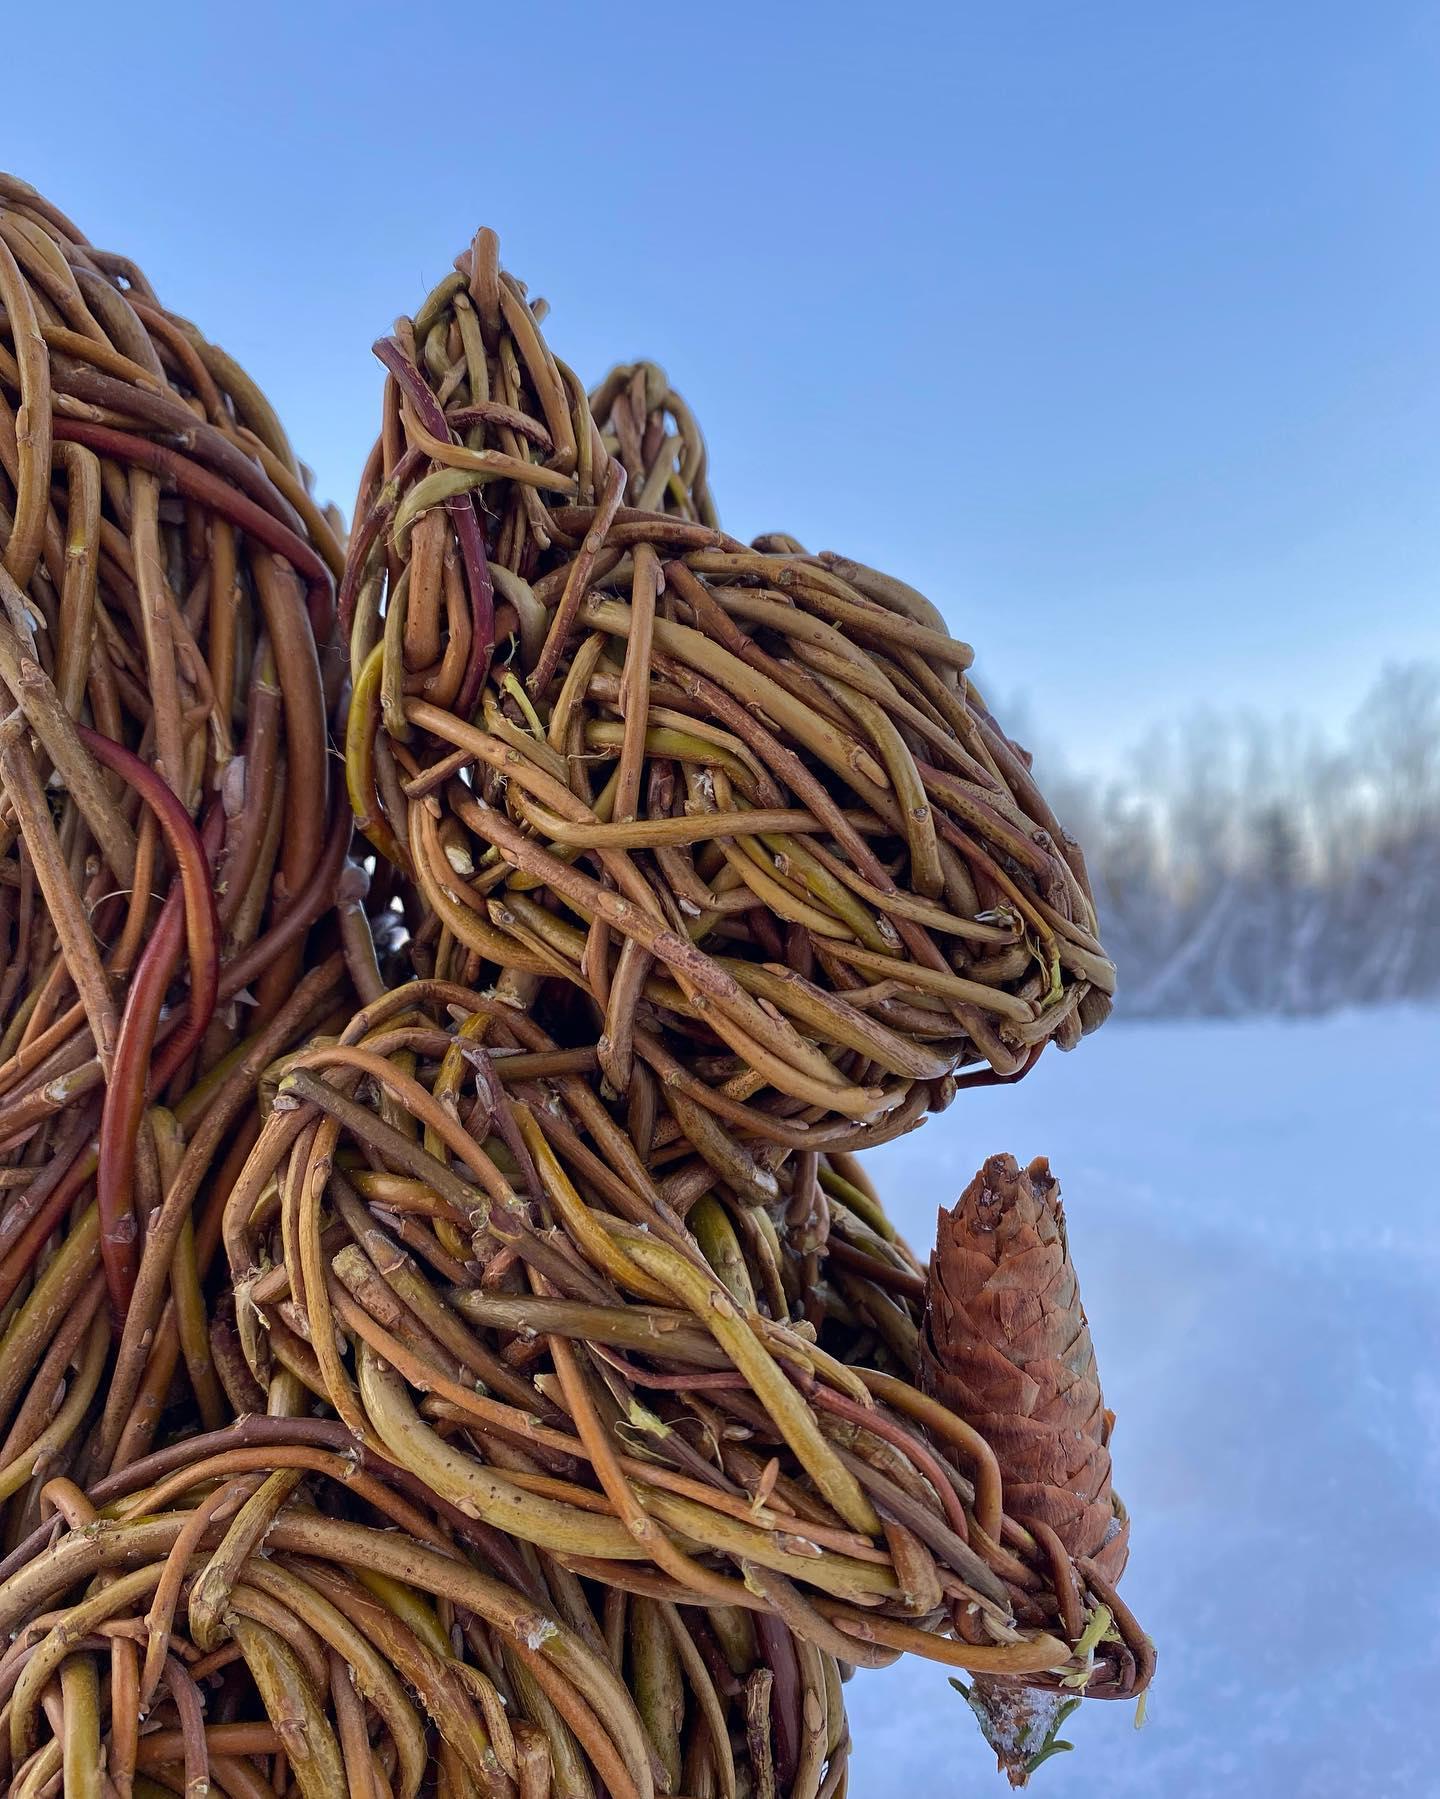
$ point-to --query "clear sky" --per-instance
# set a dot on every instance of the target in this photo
(1116, 328)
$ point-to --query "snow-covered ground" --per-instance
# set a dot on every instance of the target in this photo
(1253, 1213)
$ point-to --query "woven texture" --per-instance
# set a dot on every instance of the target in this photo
(551, 1423)
(740, 798)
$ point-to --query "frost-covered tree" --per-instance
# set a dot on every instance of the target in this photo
(1254, 865)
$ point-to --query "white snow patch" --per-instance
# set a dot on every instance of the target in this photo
(1254, 1216)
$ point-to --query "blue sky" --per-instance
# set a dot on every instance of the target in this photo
(1114, 328)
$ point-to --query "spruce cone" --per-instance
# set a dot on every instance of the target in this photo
(1006, 1346)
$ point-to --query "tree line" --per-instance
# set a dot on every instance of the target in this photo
(1252, 865)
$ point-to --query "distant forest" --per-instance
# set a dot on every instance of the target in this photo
(1248, 865)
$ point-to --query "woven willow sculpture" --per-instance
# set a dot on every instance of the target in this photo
(444, 1236)
(744, 794)
(647, 427)
(167, 828)
(565, 1414)
(243, 1629)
